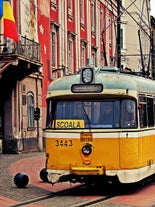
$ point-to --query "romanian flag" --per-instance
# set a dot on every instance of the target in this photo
(10, 29)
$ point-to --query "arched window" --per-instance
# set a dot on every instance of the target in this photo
(30, 110)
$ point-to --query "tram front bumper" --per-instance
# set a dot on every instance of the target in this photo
(99, 170)
(55, 176)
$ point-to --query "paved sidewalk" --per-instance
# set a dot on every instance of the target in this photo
(31, 164)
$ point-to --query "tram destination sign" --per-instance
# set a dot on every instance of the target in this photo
(87, 88)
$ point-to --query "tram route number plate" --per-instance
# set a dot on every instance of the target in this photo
(86, 137)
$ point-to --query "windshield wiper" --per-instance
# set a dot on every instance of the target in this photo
(88, 120)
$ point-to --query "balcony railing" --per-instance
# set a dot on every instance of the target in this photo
(27, 48)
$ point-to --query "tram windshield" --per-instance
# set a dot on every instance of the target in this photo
(91, 114)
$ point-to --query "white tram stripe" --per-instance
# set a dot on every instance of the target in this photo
(99, 135)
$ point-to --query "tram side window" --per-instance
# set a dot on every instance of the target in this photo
(154, 110)
(142, 114)
(142, 111)
(146, 111)
(129, 117)
(150, 112)
(49, 115)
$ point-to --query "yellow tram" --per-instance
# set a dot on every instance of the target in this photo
(100, 125)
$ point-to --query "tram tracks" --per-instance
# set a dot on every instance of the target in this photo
(70, 193)
(49, 196)
(91, 202)
(80, 196)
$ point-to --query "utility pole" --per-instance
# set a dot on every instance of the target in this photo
(118, 42)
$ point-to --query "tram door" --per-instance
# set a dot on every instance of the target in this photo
(129, 140)
(129, 150)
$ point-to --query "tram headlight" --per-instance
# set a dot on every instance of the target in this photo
(87, 75)
(86, 149)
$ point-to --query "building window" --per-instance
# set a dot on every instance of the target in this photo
(121, 38)
(102, 21)
(83, 53)
(82, 11)
(93, 16)
(70, 56)
(53, 48)
(70, 8)
(70, 4)
(110, 33)
(83, 56)
(102, 62)
(30, 109)
(94, 57)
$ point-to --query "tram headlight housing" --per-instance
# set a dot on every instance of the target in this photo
(87, 75)
(87, 149)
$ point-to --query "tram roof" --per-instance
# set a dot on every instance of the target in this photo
(110, 77)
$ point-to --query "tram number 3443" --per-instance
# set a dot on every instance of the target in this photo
(63, 143)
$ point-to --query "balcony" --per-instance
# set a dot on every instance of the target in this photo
(26, 48)
(24, 55)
